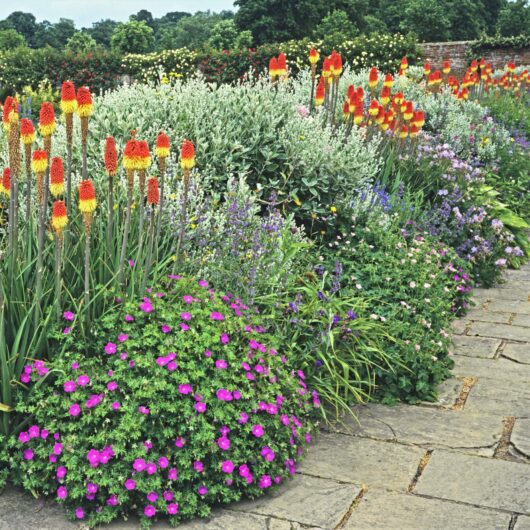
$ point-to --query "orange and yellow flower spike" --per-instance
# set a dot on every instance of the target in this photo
(85, 105)
(59, 217)
(320, 93)
(314, 56)
(47, 119)
(39, 162)
(5, 183)
(373, 78)
(27, 131)
(446, 68)
(87, 197)
(56, 176)
(187, 155)
(162, 145)
(68, 98)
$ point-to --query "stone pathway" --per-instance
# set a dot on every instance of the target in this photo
(461, 463)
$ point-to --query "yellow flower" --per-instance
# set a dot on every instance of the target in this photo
(313, 216)
(333, 209)
(297, 201)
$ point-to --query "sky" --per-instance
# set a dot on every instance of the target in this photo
(84, 12)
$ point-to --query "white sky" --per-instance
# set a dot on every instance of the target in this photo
(84, 12)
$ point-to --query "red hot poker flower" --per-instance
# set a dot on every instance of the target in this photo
(84, 102)
(47, 119)
(187, 155)
(56, 176)
(144, 155)
(27, 131)
(87, 197)
(320, 92)
(68, 98)
(314, 56)
(373, 78)
(153, 193)
(162, 145)
(111, 157)
(59, 216)
(5, 183)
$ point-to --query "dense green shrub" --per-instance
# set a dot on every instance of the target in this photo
(27, 67)
(415, 286)
(384, 51)
(178, 403)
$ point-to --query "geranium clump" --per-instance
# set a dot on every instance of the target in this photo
(181, 402)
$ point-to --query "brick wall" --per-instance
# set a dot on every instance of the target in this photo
(436, 52)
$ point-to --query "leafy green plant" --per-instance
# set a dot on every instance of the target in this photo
(172, 405)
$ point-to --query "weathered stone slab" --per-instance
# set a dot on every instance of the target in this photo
(520, 438)
(447, 393)
(458, 327)
(500, 331)
(506, 292)
(523, 523)
(363, 461)
(475, 480)
(498, 370)
(456, 429)
(522, 320)
(519, 352)
(21, 511)
(483, 315)
(306, 500)
(396, 511)
(475, 346)
(500, 398)
(510, 306)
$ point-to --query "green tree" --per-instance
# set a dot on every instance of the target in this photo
(490, 14)
(427, 19)
(102, 31)
(132, 37)
(279, 20)
(466, 19)
(223, 35)
(81, 43)
(514, 19)
(191, 32)
(243, 40)
(144, 16)
(11, 39)
(54, 35)
(335, 28)
(23, 23)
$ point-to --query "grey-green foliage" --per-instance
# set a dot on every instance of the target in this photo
(248, 130)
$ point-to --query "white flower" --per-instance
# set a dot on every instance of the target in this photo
(412, 284)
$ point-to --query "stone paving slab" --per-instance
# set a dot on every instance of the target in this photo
(484, 315)
(522, 320)
(510, 306)
(306, 500)
(20, 511)
(499, 397)
(476, 480)
(447, 393)
(219, 520)
(476, 346)
(500, 331)
(395, 511)
(523, 523)
(520, 438)
(363, 461)
(457, 429)
(458, 327)
(519, 352)
(495, 369)
(516, 291)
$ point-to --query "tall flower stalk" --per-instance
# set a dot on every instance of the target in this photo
(187, 162)
(69, 107)
(14, 164)
(85, 108)
(87, 205)
(162, 151)
(144, 161)
(59, 221)
(130, 163)
(153, 199)
(314, 56)
(27, 135)
(111, 167)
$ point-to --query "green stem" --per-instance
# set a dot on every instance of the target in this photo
(152, 232)
(58, 267)
(121, 275)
